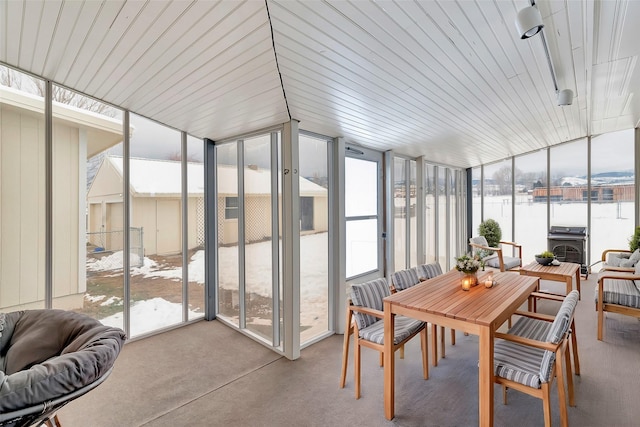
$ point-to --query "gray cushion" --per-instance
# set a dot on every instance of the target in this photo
(404, 328)
(405, 279)
(534, 329)
(509, 262)
(620, 292)
(369, 294)
(529, 365)
(429, 271)
(50, 353)
(519, 363)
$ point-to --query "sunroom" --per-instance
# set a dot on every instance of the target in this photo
(164, 163)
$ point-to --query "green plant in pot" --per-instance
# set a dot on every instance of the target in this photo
(634, 242)
(491, 231)
(545, 258)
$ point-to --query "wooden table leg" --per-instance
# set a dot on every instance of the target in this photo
(569, 281)
(389, 359)
(485, 377)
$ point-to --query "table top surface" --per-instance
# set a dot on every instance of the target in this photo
(443, 296)
(565, 268)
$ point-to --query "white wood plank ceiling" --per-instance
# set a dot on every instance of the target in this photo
(450, 80)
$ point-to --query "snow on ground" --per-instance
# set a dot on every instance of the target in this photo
(149, 315)
(161, 313)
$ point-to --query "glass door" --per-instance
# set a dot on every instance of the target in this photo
(363, 207)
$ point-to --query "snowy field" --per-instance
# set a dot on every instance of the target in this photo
(611, 226)
(152, 314)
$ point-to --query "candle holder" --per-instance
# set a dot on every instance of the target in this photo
(488, 281)
(468, 280)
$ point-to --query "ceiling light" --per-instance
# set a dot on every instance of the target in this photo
(529, 22)
(565, 97)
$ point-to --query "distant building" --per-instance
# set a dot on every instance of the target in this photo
(155, 189)
(580, 193)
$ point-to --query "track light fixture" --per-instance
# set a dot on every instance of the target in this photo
(529, 23)
(565, 97)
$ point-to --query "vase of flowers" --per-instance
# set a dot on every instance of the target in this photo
(468, 266)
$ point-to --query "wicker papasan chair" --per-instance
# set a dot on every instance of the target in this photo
(47, 359)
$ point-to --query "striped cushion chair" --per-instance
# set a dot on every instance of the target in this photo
(404, 279)
(529, 365)
(429, 271)
(425, 272)
(536, 326)
(617, 292)
(365, 322)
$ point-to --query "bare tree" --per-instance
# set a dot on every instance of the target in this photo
(24, 82)
(502, 178)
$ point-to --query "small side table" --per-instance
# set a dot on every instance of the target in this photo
(564, 272)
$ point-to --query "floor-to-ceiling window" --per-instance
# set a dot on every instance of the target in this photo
(612, 191)
(22, 191)
(227, 240)
(248, 197)
(400, 213)
(531, 203)
(430, 232)
(476, 199)
(155, 197)
(314, 236)
(404, 208)
(195, 227)
(259, 256)
(497, 200)
(87, 209)
(453, 223)
(441, 212)
(568, 191)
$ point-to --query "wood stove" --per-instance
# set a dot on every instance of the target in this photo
(569, 244)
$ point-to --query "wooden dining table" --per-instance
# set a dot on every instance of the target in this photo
(479, 311)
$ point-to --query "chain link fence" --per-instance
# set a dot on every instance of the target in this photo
(105, 248)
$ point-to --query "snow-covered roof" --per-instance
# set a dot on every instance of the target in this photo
(162, 177)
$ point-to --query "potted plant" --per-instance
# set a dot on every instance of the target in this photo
(545, 257)
(469, 266)
(634, 241)
(491, 231)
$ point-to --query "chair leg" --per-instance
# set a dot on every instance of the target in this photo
(546, 404)
(381, 355)
(434, 345)
(453, 337)
(53, 421)
(345, 349)
(442, 340)
(574, 348)
(567, 356)
(356, 360)
(600, 309)
(401, 352)
(562, 395)
(504, 394)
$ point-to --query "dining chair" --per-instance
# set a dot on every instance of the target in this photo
(365, 321)
(404, 279)
(495, 257)
(426, 272)
(530, 366)
(536, 326)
